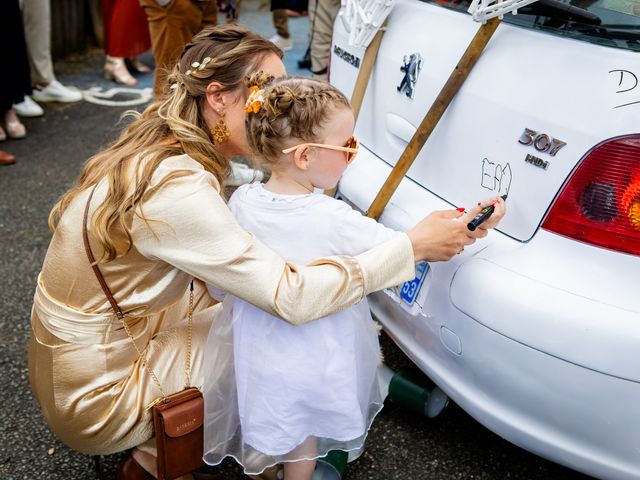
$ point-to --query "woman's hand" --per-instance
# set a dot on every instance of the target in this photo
(500, 209)
(443, 234)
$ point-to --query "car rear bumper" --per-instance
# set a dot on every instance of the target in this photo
(575, 416)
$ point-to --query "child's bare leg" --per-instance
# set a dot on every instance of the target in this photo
(300, 470)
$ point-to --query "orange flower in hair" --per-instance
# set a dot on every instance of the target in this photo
(255, 100)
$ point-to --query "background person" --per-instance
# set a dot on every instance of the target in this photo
(126, 35)
(172, 23)
(15, 82)
(36, 15)
(280, 18)
(322, 15)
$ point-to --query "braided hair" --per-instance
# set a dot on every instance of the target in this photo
(294, 110)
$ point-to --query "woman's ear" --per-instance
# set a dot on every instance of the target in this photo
(301, 158)
(215, 97)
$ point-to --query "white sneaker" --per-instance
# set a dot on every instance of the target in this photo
(282, 43)
(28, 108)
(56, 92)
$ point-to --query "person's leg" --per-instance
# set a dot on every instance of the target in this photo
(282, 38)
(146, 461)
(209, 15)
(170, 28)
(126, 35)
(281, 22)
(300, 470)
(36, 15)
(14, 128)
(322, 15)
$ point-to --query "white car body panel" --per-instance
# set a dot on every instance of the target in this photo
(566, 93)
(535, 335)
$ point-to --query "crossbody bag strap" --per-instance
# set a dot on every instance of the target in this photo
(94, 264)
(118, 311)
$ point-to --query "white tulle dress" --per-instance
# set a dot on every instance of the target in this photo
(275, 392)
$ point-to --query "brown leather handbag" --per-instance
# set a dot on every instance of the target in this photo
(178, 419)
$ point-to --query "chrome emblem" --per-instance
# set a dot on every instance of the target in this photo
(411, 68)
(350, 58)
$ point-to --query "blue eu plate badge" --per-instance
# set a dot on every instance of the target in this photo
(409, 290)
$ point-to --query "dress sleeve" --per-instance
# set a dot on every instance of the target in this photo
(186, 223)
(356, 233)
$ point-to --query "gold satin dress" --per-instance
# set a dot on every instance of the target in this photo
(93, 389)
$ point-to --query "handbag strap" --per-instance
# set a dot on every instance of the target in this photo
(118, 311)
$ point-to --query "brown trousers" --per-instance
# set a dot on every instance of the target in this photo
(171, 28)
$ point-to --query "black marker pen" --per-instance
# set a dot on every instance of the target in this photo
(484, 214)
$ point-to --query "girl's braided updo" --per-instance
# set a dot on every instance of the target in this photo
(294, 110)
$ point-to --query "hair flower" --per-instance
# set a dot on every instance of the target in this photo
(255, 100)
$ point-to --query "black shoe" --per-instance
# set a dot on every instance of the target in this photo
(305, 62)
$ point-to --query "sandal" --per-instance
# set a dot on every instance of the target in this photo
(137, 65)
(116, 70)
(15, 130)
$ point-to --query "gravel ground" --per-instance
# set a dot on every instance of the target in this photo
(400, 446)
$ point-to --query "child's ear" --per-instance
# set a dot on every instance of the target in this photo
(301, 158)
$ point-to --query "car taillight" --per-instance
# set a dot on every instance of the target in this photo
(600, 202)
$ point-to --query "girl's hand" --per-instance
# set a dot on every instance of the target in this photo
(492, 222)
(439, 236)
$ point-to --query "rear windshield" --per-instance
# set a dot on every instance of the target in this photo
(614, 23)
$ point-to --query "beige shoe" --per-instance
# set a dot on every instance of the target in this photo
(116, 70)
(15, 130)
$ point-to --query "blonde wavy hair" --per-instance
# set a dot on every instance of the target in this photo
(171, 126)
(292, 108)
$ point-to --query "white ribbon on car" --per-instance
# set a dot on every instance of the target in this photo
(363, 18)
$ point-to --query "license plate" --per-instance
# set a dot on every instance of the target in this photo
(409, 291)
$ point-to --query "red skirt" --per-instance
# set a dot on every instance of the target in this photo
(126, 30)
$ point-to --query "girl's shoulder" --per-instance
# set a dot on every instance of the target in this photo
(256, 195)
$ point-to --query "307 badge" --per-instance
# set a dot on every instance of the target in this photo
(542, 143)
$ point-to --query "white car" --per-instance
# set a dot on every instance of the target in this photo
(535, 330)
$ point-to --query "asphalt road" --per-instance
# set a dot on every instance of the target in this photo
(401, 445)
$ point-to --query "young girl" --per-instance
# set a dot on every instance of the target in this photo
(274, 392)
(299, 391)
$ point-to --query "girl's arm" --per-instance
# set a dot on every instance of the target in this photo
(189, 226)
(354, 233)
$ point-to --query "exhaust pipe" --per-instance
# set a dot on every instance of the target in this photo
(413, 390)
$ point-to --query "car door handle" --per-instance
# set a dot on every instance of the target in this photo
(399, 127)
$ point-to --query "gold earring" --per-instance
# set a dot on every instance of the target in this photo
(220, 132)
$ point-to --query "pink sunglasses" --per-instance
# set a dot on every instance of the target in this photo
(351, 147)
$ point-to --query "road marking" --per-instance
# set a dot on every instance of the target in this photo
(97, 96)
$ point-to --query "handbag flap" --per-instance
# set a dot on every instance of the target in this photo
(183, 418)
